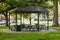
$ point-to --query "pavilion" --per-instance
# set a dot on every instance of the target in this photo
(31, 9)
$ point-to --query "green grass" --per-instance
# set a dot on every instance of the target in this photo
(3, 27)
(56, 28)
(30, 36)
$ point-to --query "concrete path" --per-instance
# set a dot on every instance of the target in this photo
(50, 30)
(9, 31)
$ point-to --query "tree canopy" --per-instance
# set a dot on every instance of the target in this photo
(23, 3)
(10, 4)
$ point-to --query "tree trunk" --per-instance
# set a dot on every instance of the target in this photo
(55, 17)
(6, 16)
(0, 18)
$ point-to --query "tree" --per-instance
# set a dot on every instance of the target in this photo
(23, 3)
(4, 8)
(55, 13)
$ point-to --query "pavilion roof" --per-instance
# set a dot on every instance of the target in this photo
(30, 9)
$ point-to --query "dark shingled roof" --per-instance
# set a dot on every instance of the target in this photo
(30, 9)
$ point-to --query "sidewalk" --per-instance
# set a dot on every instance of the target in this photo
(50, 30)
(9, 31)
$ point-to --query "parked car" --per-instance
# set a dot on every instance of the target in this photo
(3, 22)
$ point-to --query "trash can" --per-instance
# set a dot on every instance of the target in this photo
(37, 26)
(23, 25)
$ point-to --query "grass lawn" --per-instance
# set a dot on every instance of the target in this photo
(57, 28)
(3, 27)
(30, 36)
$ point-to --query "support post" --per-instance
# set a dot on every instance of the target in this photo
(38, 23)
(47, 21)
(16, 19)
(30, 19)
(9, 21)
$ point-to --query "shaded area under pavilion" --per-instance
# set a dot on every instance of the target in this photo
(31, 9)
